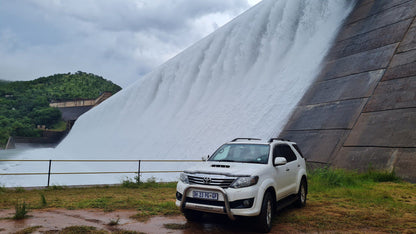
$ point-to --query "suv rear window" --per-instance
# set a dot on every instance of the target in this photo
(298, 149)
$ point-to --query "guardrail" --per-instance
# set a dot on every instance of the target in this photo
(311, 166)
(49, 173)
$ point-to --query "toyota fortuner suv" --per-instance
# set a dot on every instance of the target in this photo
(245, 177)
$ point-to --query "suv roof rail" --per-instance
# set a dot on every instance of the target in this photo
(277, 139)
(250, 139)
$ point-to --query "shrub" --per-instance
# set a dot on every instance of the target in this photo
(43, 200)
(381, 176)
(331, 178)
(150, 183)
(21, 211)
(326, 178)
(128, 183)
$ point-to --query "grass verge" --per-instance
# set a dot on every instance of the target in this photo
(148, 199)
(347, 201)
(338, 201)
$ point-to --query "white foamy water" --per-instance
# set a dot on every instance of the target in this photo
(243, 80)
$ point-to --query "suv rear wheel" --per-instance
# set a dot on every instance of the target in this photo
(264, 220)
(303, 192)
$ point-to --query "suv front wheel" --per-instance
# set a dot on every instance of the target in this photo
(264, 220)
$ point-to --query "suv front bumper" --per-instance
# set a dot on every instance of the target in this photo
(229, 202)
(207, 208)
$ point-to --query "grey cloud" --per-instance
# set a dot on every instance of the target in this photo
(120, 40)
(140, 15)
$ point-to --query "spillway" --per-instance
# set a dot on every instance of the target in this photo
(243, 80)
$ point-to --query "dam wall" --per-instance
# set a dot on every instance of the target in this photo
(360, 112)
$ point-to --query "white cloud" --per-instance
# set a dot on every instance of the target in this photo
(119, 40)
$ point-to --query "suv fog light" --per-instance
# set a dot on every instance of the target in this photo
(179, 196)
(242, 204)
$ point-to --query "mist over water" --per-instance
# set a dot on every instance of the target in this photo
(243, 80)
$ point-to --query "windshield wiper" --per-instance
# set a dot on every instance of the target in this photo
(258, 162)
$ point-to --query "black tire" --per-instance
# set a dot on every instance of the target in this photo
(302, 194)
(264, 220)
(192, 215)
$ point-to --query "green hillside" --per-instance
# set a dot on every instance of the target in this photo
(25, 104)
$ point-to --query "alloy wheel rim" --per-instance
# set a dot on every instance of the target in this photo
(269, 212)
(302, 193)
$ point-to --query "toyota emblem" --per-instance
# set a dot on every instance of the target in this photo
(207, 180)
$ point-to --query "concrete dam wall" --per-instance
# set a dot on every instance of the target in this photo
(361, 110)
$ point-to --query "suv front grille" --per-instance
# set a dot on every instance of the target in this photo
(221, 182)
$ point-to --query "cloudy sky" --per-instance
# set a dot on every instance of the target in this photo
(119, 40)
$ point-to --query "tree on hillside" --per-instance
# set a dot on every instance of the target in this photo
(47, 116)
(25, 104)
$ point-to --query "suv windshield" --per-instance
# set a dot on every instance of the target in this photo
(246, 153)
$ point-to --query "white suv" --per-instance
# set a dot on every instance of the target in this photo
(245, 177)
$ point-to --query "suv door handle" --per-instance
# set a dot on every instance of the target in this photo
(287, 169)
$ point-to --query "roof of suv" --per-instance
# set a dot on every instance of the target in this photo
(259, 141)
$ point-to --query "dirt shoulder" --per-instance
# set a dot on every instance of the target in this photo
(53, 220)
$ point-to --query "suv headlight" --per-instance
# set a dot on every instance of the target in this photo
(184, 178)
(246, 181)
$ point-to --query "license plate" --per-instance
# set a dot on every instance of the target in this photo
(205, 195)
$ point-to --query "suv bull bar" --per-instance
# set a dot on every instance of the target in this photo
(209, 208)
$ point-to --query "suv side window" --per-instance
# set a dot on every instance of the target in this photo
(285, 151)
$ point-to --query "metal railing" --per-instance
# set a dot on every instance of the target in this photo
(139, 170)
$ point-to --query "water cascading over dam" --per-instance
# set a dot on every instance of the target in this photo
(243, 80)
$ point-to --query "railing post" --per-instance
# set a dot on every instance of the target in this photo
(49, 172)
(138, 172)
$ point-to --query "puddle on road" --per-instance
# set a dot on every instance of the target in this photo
(57, 219)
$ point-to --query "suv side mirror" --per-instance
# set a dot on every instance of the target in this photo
(205, 158)
(279, 161)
